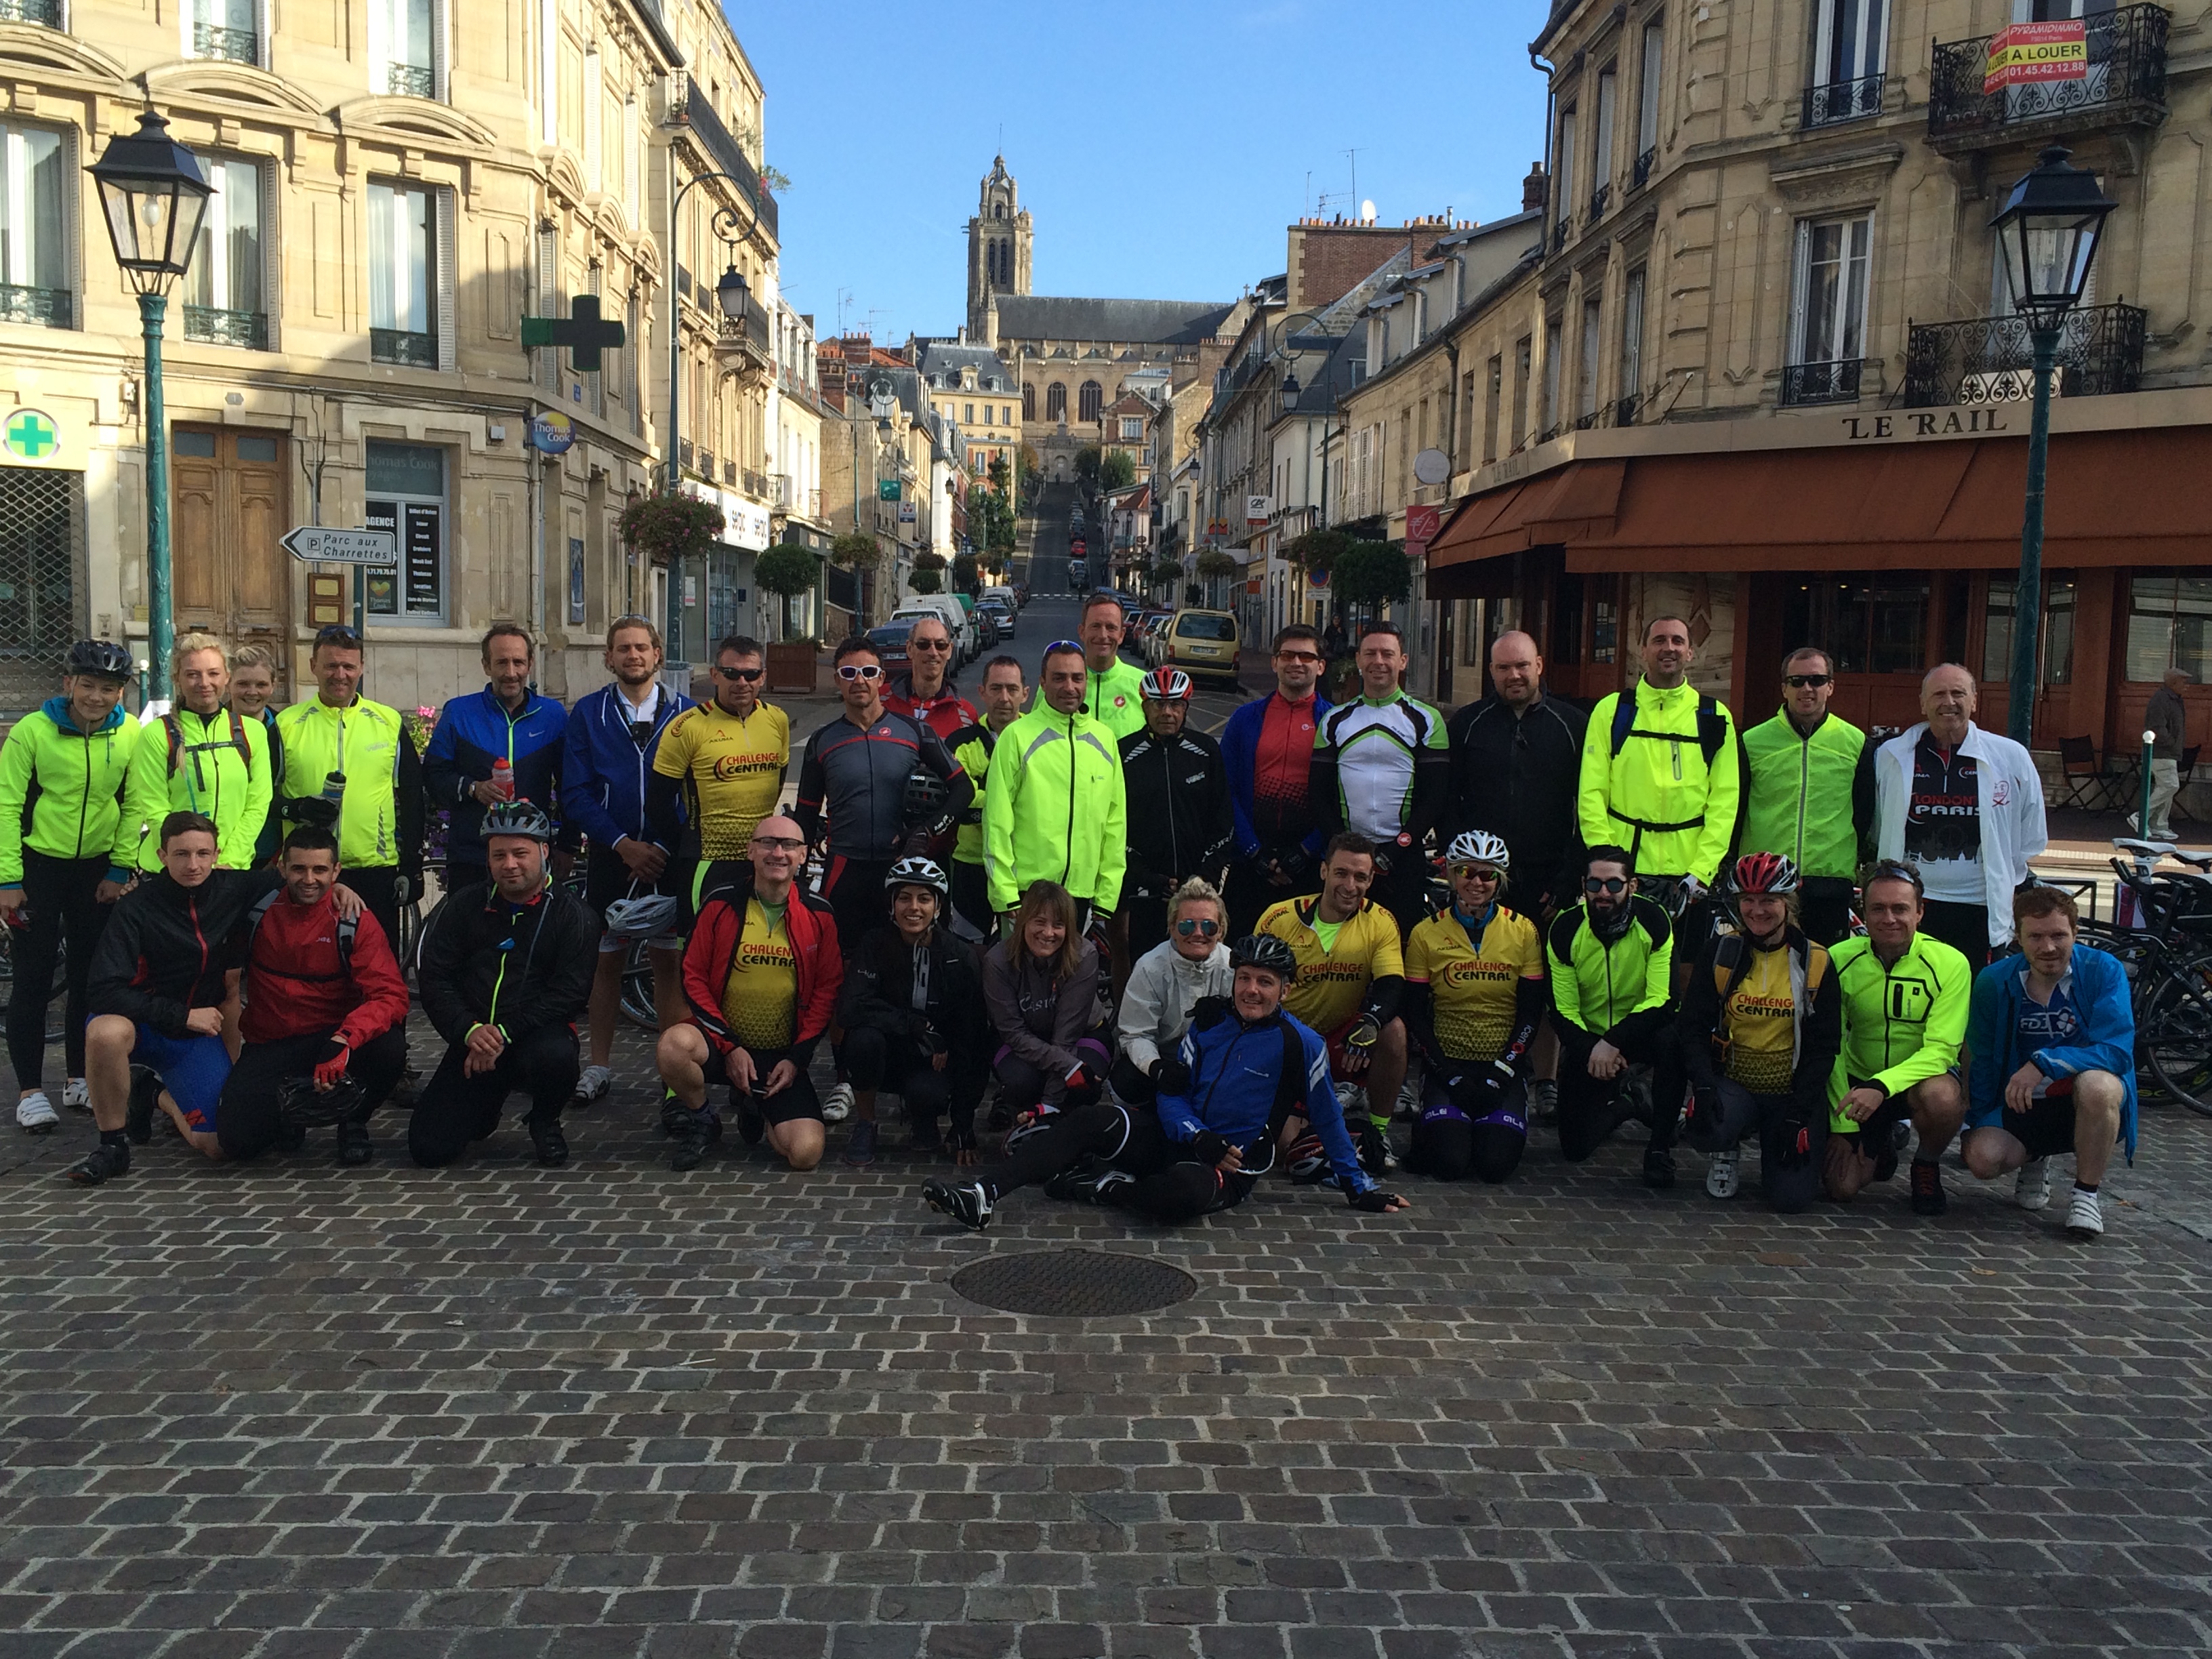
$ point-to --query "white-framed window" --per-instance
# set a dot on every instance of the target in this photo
(407, 495)
(1601, 157)
(232, 31)
(226, 286)
(410, 275)
(1586, 366)
(1828, 309)
(1563, 173)
(1632, 335)
(407, 48)
(1132, 427)
(1647, 96)
(1850, 40)
(1555, 351)
(36, 186)
(595, 99)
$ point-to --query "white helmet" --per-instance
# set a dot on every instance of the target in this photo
(646, 915)
(1479, 847)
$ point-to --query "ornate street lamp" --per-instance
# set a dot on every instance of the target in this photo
(2047, 234)
(731, 293)
(154, 195)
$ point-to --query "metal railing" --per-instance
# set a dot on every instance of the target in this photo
(1838, 382)
(48, 12)
(1842, 100)
(1991, 360)
(232, 45)
(1621, 411)
(750, 329)
(2125, 78)
(216, 326)
(400, 345)
(728, 153)
(1644, 162)
(1599, 199)
(411, 81)
(56, 308)
(1560, 231)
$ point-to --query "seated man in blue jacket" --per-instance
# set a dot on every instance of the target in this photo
(2052, 1035)
(506, 722)
(1245, 1070)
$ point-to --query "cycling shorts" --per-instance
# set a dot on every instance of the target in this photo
(194, 1069)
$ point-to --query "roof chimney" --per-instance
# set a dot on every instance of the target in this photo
(1534, 189)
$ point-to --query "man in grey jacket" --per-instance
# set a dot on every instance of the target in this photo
(2167, 718)
(1163, 987)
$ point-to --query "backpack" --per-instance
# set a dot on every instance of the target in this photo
(348, 926)
(177, 746)
(1732, 961)
(1712, 729)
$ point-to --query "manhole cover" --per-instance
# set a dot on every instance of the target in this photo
(1073, 1284)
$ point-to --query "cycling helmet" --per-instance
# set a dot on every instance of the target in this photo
(1763, 872)
(518, 817)
(1170, 683)
(101, 657)
(643, 915)
(927, 795)
(917, 872)
(1264, 951)
(304, 1106)
(1479, 847)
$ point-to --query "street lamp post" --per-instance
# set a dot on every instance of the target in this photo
(2047, 234)
(154, 195)
(731, 295)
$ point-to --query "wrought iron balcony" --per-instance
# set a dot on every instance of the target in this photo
(1621, 411)
(1842, 100)
(48, 12)
(232, 45)
(727, 154)
(747, 335)
(1560, 231)
(1644, 162)
(411, 81)
(1599, 200)
(249, 329)
(2124, 85)
(54, 307)
(1804, 384)
(1991, 360)
(402, 346)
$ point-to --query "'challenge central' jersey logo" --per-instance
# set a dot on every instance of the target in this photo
(766, 953)
(728, 767)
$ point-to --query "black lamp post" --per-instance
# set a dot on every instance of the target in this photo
(2047, 234)
(154, 196)
(731, 295)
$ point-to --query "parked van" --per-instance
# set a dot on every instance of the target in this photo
(953, 614)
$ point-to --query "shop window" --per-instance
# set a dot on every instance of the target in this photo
(2170, 626)
(2056, 660)
(407, 497)
(1864, 627)
(1567, 649)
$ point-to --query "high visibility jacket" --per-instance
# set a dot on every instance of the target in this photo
(1055, 810)
(61, 790)
(971, 746)
(1596, 982)
(1116, 698)
(1659, 796)
(379, 823)
(1812, 799)
(215, 764)
(1903, 1021)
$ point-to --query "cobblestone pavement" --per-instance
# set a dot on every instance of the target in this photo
(289, 1410)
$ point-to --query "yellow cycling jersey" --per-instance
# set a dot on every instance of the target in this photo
(1333, 978)
(1475, 990)
(733, 767)
(1759, 1018)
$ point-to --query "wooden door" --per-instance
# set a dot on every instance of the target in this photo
(230, 575)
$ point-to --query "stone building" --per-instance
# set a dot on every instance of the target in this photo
(397, 186)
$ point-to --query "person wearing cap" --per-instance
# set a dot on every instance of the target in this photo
(1176, 791)
(505, 972)
(912, 1010)
(66, 853)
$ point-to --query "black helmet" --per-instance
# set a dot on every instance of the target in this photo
(927, 795)
(518, 817)
(306, 1107)
(1265, 950)
(101, 657)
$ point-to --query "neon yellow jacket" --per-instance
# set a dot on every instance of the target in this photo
(1902, 1023)
(1055, 809)
(1657, 797)
(72, 783)
(379, 821)
(215, 764)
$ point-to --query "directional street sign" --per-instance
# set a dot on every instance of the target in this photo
(317, 543)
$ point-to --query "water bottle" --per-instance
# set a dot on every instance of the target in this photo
(502, 777)
(334, 786)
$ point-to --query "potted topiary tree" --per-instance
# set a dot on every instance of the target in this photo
(786, 572)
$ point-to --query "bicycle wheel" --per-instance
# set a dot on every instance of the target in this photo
(637, 1004)
(2175, 1034)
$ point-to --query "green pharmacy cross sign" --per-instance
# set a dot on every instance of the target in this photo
(887, 490)
(30, 434)
(583, 333)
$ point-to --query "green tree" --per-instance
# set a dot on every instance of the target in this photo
(926, 581)
(1371, 574)
(1318, 549)
(966, 574)
(1214, 565)
(1086, 467)
(786, 572)
(853, 551)
(1167, 571)
(1118, 470)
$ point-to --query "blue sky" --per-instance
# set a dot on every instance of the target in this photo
(1162, 148)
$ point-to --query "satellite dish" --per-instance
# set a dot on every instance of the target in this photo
(1366, 211)
(1431, 466)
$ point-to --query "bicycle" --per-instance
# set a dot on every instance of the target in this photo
(2168, 961)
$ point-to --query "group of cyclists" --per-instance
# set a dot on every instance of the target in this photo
(1174, 964)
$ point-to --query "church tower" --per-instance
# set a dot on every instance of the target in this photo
(998, 245)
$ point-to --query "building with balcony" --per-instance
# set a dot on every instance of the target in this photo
(1760, 368)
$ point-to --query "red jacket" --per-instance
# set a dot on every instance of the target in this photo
(714, 946)
(943, 714)
(297, 985)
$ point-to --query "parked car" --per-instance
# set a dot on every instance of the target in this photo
(988, 631)
(1001, 612)
(1202, 642)
(890, 641)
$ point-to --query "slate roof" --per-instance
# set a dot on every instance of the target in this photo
(943, 361)
(1150, 322)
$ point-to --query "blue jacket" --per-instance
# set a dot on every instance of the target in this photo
(604, 770)
(1244, 1081)
(471, 731)
(1240, 747)
(2097, 985)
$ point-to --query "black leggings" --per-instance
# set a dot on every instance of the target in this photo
(1172, 1185)
(1472, 1130)
(59, 893)
(873, 1060)
(1591, 1108)
(455, 1111)
(250, 1120)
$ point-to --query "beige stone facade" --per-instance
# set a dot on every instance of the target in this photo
(399, 183)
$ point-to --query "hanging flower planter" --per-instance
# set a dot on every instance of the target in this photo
(667, 528)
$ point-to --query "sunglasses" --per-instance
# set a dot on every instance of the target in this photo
(861, 671)
(1799, 682)
(1604, 884)
(1475, 872)
(721, 672)
(928, 645)
(1204, 926)
(1059, 646)
(338, 634)
(1891, 870)
(1297, 656)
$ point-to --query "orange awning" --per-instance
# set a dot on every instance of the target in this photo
(2112, 498)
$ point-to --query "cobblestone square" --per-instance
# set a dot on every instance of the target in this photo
(287, 1411)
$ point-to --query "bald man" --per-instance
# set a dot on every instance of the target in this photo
(1964, 807)
(1515, 760)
